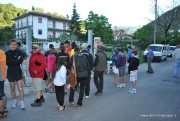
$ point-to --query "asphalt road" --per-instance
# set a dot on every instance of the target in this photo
(157, 99)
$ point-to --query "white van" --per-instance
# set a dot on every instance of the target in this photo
(160, 52)
(171, 50)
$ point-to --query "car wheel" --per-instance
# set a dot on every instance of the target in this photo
(165, 59)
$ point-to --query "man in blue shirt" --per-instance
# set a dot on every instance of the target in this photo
(149, 59)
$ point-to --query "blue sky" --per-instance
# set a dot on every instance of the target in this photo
(118, 12)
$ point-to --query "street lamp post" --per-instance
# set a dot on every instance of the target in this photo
(155, 21)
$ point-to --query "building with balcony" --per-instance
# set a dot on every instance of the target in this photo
(43, 25)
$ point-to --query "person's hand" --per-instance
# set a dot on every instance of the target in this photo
(35, 72)
(19, 57)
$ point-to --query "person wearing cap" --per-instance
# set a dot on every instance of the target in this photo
(68, 48)
(37, 64)
(89, 49)
(14, 59)
(90, 61)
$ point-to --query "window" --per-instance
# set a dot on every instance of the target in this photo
(39, 31)
(64, 26)
(39, 20)
(54, 24)
(54, 34)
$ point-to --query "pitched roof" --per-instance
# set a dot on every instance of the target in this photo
(42, 15)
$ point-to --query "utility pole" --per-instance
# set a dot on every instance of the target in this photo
(155, 21)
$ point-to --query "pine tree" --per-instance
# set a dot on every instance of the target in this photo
(75, 23)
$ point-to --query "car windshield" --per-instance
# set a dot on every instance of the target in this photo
(156, 48)
(172, 48)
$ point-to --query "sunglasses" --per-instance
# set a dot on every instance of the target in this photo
(34, 48)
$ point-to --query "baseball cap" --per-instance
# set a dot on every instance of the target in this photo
(35, 45)
(84, 46)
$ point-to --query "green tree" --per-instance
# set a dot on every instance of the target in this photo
(100, 26)
(62, 16)
(55, 14)
(40, 10)
(5, 35)
(7, 13)
(74, 24)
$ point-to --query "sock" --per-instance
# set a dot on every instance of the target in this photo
(22, 102)
(15, 100)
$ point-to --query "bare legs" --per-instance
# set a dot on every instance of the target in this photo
(122, 80)
(115, 78)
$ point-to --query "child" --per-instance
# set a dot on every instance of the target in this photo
(115, 70)
(133, 68)
(59, 82)
(51, 60)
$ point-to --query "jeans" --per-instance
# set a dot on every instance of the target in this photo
(149, 60)
(60, 93)
(82, 82)
(99, 83)
(176, 67)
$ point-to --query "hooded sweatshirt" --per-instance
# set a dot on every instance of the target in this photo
(134, 63)
(114, 57)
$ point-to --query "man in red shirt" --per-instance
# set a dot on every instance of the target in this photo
(68, 47)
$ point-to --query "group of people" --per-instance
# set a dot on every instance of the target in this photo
(70, 65)
(119, 63)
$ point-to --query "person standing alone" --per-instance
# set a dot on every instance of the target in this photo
(149, 60)
(100, 65)
(14, 59)
(176, 56)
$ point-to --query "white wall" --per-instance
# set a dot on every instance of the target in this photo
(42, 26)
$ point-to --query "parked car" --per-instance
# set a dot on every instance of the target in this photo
(160, 52)
(171, 50)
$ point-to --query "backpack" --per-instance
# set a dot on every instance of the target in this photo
(81, 65)
(121, 61)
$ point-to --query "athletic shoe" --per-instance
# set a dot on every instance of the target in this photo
(46, 90)
(42, 100)
(98, 93)
(79, 106)
(123, 85)
(119, 85)
(26, 85)
(71, 103)
(14, 104)
(51, 91)
(87, 97)
(36, 103)
(132, 91)
(3, 114)
(22, 106)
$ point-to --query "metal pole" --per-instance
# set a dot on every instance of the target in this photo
(155, 21)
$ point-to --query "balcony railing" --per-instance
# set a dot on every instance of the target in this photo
(22, 25)
(58, 27)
